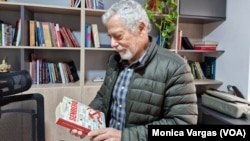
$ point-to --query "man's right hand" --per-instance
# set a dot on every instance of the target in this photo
(77, 133)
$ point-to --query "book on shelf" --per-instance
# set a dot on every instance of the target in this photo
(194, 70)
(99, 4)
(94, 4)
(46, 34)
(73, 114)
(88, 36)
(66, 37)
(17, 34)
(59, 42)
(179, 42)
(72, 37)
(1, 42)
(73, 70)
(53, 36)
(186, 44)
(7, 34)
(62, 72)
(32, 32)
(205, 47)
(200, 71)
(209, 67)
(95, 35)
(191, 65)
(75, 3)
(88, 4)
(206, 43)
(39, 32)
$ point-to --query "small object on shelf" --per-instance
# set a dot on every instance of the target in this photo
(186, 44)
(4, 67)
(98, 79)
(206, 43)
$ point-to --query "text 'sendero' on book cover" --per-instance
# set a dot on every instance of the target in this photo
(75, 115)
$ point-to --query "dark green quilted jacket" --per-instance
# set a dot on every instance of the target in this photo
(161, 92)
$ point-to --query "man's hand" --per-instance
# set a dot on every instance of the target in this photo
(77, 133)
(105, 134)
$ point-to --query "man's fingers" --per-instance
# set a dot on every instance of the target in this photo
(73, 131)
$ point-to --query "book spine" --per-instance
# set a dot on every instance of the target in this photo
(204, 47)
(32, 32)
(186, 44)
(46, 34)
(95, 35)
(71, 125)
(73, 70)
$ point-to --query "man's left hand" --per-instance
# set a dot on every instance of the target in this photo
(105, 134)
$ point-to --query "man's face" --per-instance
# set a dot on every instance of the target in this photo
(122, 39)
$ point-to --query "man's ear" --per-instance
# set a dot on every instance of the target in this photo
(142, 27)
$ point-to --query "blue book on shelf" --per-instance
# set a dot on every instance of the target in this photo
(210, 67)
(99, 4)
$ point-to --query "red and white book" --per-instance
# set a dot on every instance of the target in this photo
(75, 115)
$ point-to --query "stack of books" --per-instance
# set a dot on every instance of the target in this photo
(205, 45)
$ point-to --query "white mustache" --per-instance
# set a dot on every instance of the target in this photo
(120, 48)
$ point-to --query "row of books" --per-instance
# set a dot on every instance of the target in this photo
(75, 3)
(49, 34)
(9, 35)
(44, 72)
(184, 43)
(203, 70)
(94, 4)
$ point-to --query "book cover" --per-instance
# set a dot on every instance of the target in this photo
(200, 71)
(73, 70)
(53, 35)
(210, 67)
(88, 36)
(39, 32)
(32, 33)
(46, 34)
(59, 38)
(75, 115)
(95, 35)
(14, 39)
(186, 44)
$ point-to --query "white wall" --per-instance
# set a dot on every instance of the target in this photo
(233, 35)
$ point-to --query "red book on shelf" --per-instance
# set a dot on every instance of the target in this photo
(205, 47)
